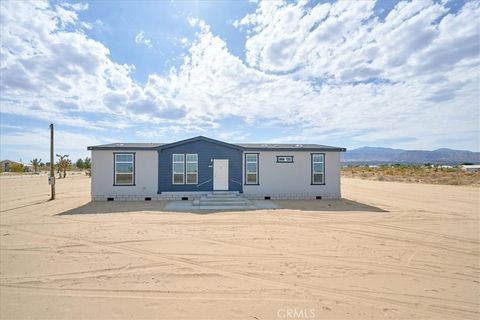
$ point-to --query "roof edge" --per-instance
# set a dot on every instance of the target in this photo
(121, 148)
(334, 149)
(200, 138)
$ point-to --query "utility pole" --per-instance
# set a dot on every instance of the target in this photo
(51, 179)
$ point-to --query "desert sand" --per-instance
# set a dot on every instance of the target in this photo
(389, 250)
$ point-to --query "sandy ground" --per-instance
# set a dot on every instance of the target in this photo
(391, 251)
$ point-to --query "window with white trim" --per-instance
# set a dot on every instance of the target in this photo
(192, 168)
(251, 168)
(318, 168)
(124, 169)
(178, 168)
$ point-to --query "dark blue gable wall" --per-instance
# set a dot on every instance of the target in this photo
(206, 152)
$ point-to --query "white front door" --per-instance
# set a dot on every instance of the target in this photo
(220, 174)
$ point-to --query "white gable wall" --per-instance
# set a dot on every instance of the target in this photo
(146, 174)
(293, 180)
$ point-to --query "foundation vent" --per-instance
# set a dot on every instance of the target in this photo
(109, 199)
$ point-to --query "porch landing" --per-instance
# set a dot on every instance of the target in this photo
(221, 201)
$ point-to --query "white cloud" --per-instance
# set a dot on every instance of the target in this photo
(50, 73)
(313, 74)
(141, 39)
(192, 21)
(213, 84)
(345, 41)
(75, 6)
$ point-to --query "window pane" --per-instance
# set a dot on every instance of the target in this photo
(251, 157)
(178, 167)
(192, 178)
(178, 178)
(192, 157)
(251, 178)
(123, 178)
(124, 157)
(124, 167)
(318, 167)
(251, 167)
(178, 157)
(317, 178)
(192, 167)
(318, 158)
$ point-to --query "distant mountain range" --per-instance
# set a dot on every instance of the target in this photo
(387, 155)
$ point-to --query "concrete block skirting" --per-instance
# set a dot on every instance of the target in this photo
(170, 196)
(290, 196)
(173, 196)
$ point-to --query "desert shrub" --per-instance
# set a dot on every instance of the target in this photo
(454, 182)
(414, 174)
(16, 167)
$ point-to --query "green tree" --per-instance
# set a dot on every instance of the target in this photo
(87, 164)
(36, 163)
(79, 164)
(63, 163)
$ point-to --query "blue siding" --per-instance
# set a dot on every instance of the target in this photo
(206, 152)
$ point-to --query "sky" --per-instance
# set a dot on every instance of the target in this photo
(350, 74)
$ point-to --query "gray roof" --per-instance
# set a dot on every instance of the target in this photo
(125, 146)
(246, 146)
(289, 146)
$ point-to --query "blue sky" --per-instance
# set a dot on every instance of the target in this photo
(385, 73)
(164, 24)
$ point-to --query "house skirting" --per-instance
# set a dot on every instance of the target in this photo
(171, 196)
(163, 196)
(290, 196)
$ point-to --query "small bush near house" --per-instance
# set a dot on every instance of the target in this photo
(87, 164)
(17, 167)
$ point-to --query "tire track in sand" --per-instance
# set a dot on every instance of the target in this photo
(437, 308)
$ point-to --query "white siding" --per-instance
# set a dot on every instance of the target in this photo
(146, 174)
(293, 180)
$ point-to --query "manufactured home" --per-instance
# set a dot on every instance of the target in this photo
(192, 168)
